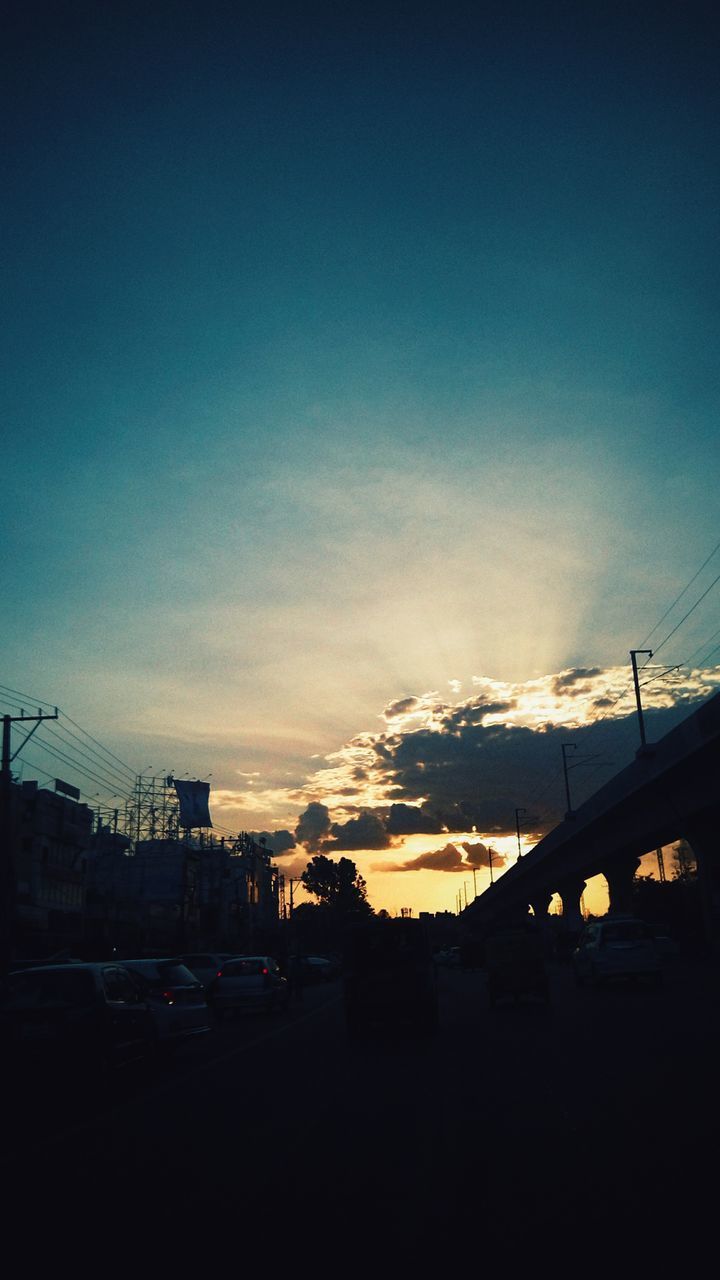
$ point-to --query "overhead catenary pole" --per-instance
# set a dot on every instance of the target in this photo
(517, 828)
(567, 746)
(641, 722)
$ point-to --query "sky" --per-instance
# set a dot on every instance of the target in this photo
(361, 398)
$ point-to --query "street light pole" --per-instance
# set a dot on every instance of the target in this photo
(517, 828)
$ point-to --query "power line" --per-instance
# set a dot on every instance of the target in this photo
(687, 615)
(94, 758)
(103, 782)
(29, 698)
(680, 596)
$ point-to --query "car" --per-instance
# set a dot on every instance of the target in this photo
(620, 947)
(248, 982)
(79, 1017)
(176, 998)
(206, 965)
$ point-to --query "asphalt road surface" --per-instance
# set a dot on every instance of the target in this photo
(581, 1130)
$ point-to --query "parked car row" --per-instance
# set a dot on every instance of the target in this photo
(91, 1016)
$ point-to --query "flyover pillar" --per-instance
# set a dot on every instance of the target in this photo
(540, 901)
(620, 873)
(703, 835)
(570, 892)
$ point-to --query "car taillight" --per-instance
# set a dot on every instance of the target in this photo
(168, 997)
(219, 973)
(265, 972)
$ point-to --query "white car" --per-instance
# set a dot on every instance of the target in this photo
(619, 947)
(248, 982)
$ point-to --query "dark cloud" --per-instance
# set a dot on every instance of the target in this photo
(473, 776)
(480, 855)
(577, 676)
(449, 858)
(313, 825)
(276, 842)
(400, 707)
(409, 820)
(455, 719)
(365, 832)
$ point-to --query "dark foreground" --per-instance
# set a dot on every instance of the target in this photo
(572, 1134)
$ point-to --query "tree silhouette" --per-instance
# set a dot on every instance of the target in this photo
(337, 885)
(684, 861)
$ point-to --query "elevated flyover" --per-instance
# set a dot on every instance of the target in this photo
(671, 791)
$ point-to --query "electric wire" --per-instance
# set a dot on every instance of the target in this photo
(678, 598)
(93, 757)
(103, 782)
(62, 717)
(686, 615)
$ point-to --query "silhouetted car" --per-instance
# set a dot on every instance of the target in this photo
(617, 948)
(176, 999)
(80, 1017)
(248, 982)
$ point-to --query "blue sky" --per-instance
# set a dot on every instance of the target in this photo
(349, 351)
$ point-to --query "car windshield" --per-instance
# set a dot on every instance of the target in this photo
(59, 988)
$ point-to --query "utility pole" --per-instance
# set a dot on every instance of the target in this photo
(517, 828)
(7, 830)
(633, 659)
(567, 746)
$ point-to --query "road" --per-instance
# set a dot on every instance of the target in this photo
(580, 1126)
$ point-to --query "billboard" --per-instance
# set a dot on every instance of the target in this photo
(194, 800)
